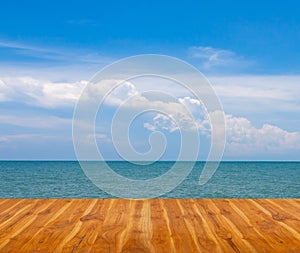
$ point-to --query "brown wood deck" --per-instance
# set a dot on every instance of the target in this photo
(157, 225)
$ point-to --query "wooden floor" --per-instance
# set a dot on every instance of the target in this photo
(157, 225)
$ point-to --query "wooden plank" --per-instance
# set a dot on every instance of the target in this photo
(156, 225)
(219, 227)
(110, 234)
(183, 242)
(160, 228)
(137, 234)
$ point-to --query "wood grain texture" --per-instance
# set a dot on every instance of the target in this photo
(156, 225)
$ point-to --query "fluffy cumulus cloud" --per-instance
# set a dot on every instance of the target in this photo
(171, 113)
(42, 93)
(162, 122)
(114, 92)
(190, 115)
(243, 138)
(180, 112)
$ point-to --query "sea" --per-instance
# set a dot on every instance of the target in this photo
(66, 179)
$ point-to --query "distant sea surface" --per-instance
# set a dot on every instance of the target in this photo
(26, 179)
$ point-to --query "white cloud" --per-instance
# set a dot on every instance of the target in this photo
(42, 93)
(189, 101)
(162, 122)
(18, 137)
(212, 57)
(171, 116)
(244, 139)
(48, 94)
(282, 90)
(3, 139)
(41, 122)
(97, 136)
(129, 98)
(63, 55)
(120, 94)
(16, 45)
(277, 87)
(101, 137)
(267, 97)
(242, 136)
(81, 22)
(150, 127)
(186, 114)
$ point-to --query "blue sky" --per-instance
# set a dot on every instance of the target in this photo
(250, 52)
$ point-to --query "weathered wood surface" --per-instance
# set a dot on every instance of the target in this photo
(157, 225)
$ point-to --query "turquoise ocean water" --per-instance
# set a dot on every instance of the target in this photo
(20, 179)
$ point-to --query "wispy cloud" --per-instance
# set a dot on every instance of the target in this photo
(245, 93)
(14, 137)
(81, 22)
(30, 50)
(64, 55)
(36, 122)
(211, 57)
(16, 45)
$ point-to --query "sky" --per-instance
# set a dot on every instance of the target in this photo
(249, 51)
